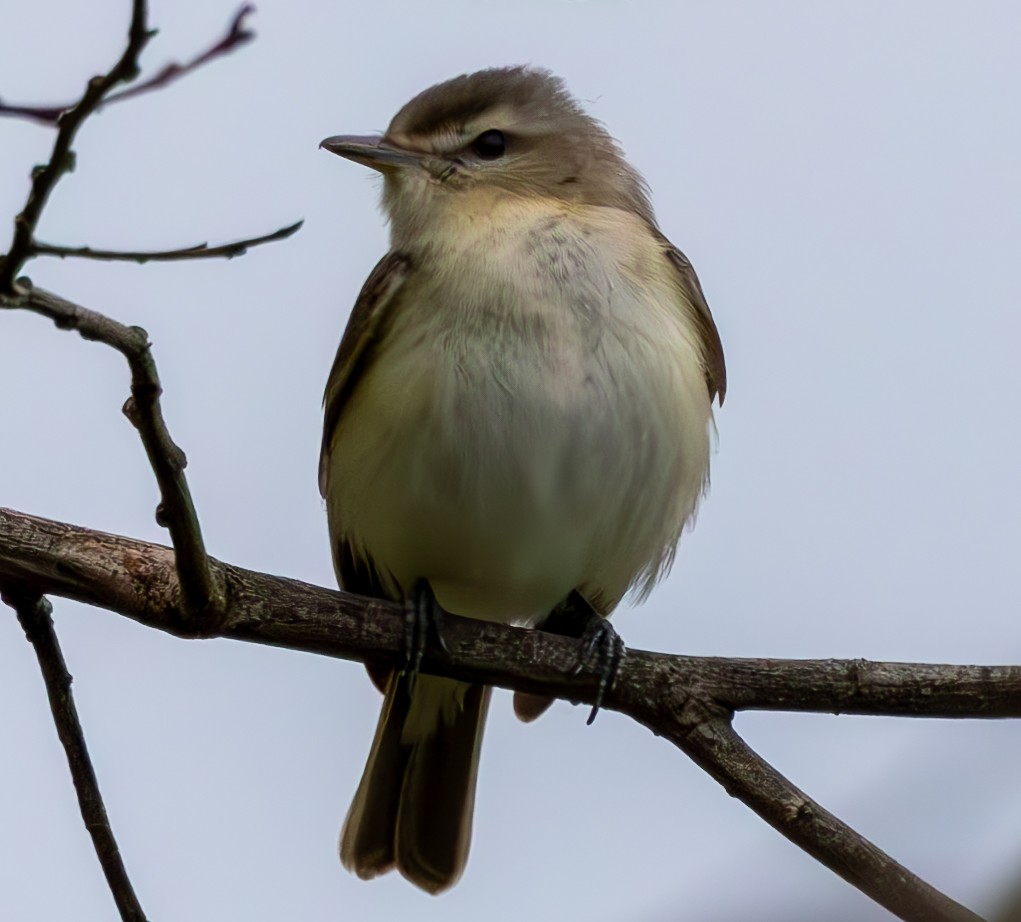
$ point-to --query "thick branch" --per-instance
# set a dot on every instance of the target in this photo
(34, 615)
(682, 698)
(136, 579)
(200, 593)
(857, 686)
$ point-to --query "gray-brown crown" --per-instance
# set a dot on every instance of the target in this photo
(553, 146)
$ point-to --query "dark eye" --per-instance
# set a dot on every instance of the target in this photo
(490, 145)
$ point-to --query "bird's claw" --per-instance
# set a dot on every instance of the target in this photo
(601, 644)
(423, 622)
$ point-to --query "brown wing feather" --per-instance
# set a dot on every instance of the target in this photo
(716, 368)
(365, 328)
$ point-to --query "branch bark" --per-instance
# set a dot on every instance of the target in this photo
(688, 700)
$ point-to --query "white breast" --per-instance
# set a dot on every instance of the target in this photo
(536, 420)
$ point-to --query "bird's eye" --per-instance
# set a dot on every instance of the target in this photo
(490, 145)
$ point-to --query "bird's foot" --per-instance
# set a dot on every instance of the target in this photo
(423, 623)
(601, 644)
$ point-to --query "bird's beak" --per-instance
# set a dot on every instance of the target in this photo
(372, 151)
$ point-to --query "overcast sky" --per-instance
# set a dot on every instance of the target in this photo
(845, 178)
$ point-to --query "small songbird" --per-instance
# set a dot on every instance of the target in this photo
(519, 412)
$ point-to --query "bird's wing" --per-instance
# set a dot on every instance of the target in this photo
(712, 348)
(366, 327)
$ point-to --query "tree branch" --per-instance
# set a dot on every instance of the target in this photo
(34, 615)
(236, 36)
(197, 251)
(689, 700)
(200, 593)
(858, 686)
(685, 699)
(68, 119)
(714, 745)
(45, 179)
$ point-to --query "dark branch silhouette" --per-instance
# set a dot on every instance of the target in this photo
(196, 251)
(236, 36)
(68, 119)
(34, 615)
(713, 744)
(45, 178)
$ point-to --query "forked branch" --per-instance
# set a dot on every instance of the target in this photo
(689, 700)
(237, 35)
(685, 699)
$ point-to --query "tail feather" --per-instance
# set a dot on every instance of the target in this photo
(366, 843)
(413, 807)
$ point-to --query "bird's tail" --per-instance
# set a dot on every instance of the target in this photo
(413, 807)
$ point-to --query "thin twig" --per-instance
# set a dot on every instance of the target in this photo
(668, 694)
(200, 593)
(34, 614)
(237, 35)
(197, 251)
(45, 179)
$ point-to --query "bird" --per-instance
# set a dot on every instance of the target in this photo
(520, 412)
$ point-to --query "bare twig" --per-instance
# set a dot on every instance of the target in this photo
(197, 251)
(69, 119)
(682, 698)
(701, 727)
(237, 35)
(200, 593)
(45, 178)
(34, 614)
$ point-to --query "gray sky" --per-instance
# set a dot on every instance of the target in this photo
(845, 179)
